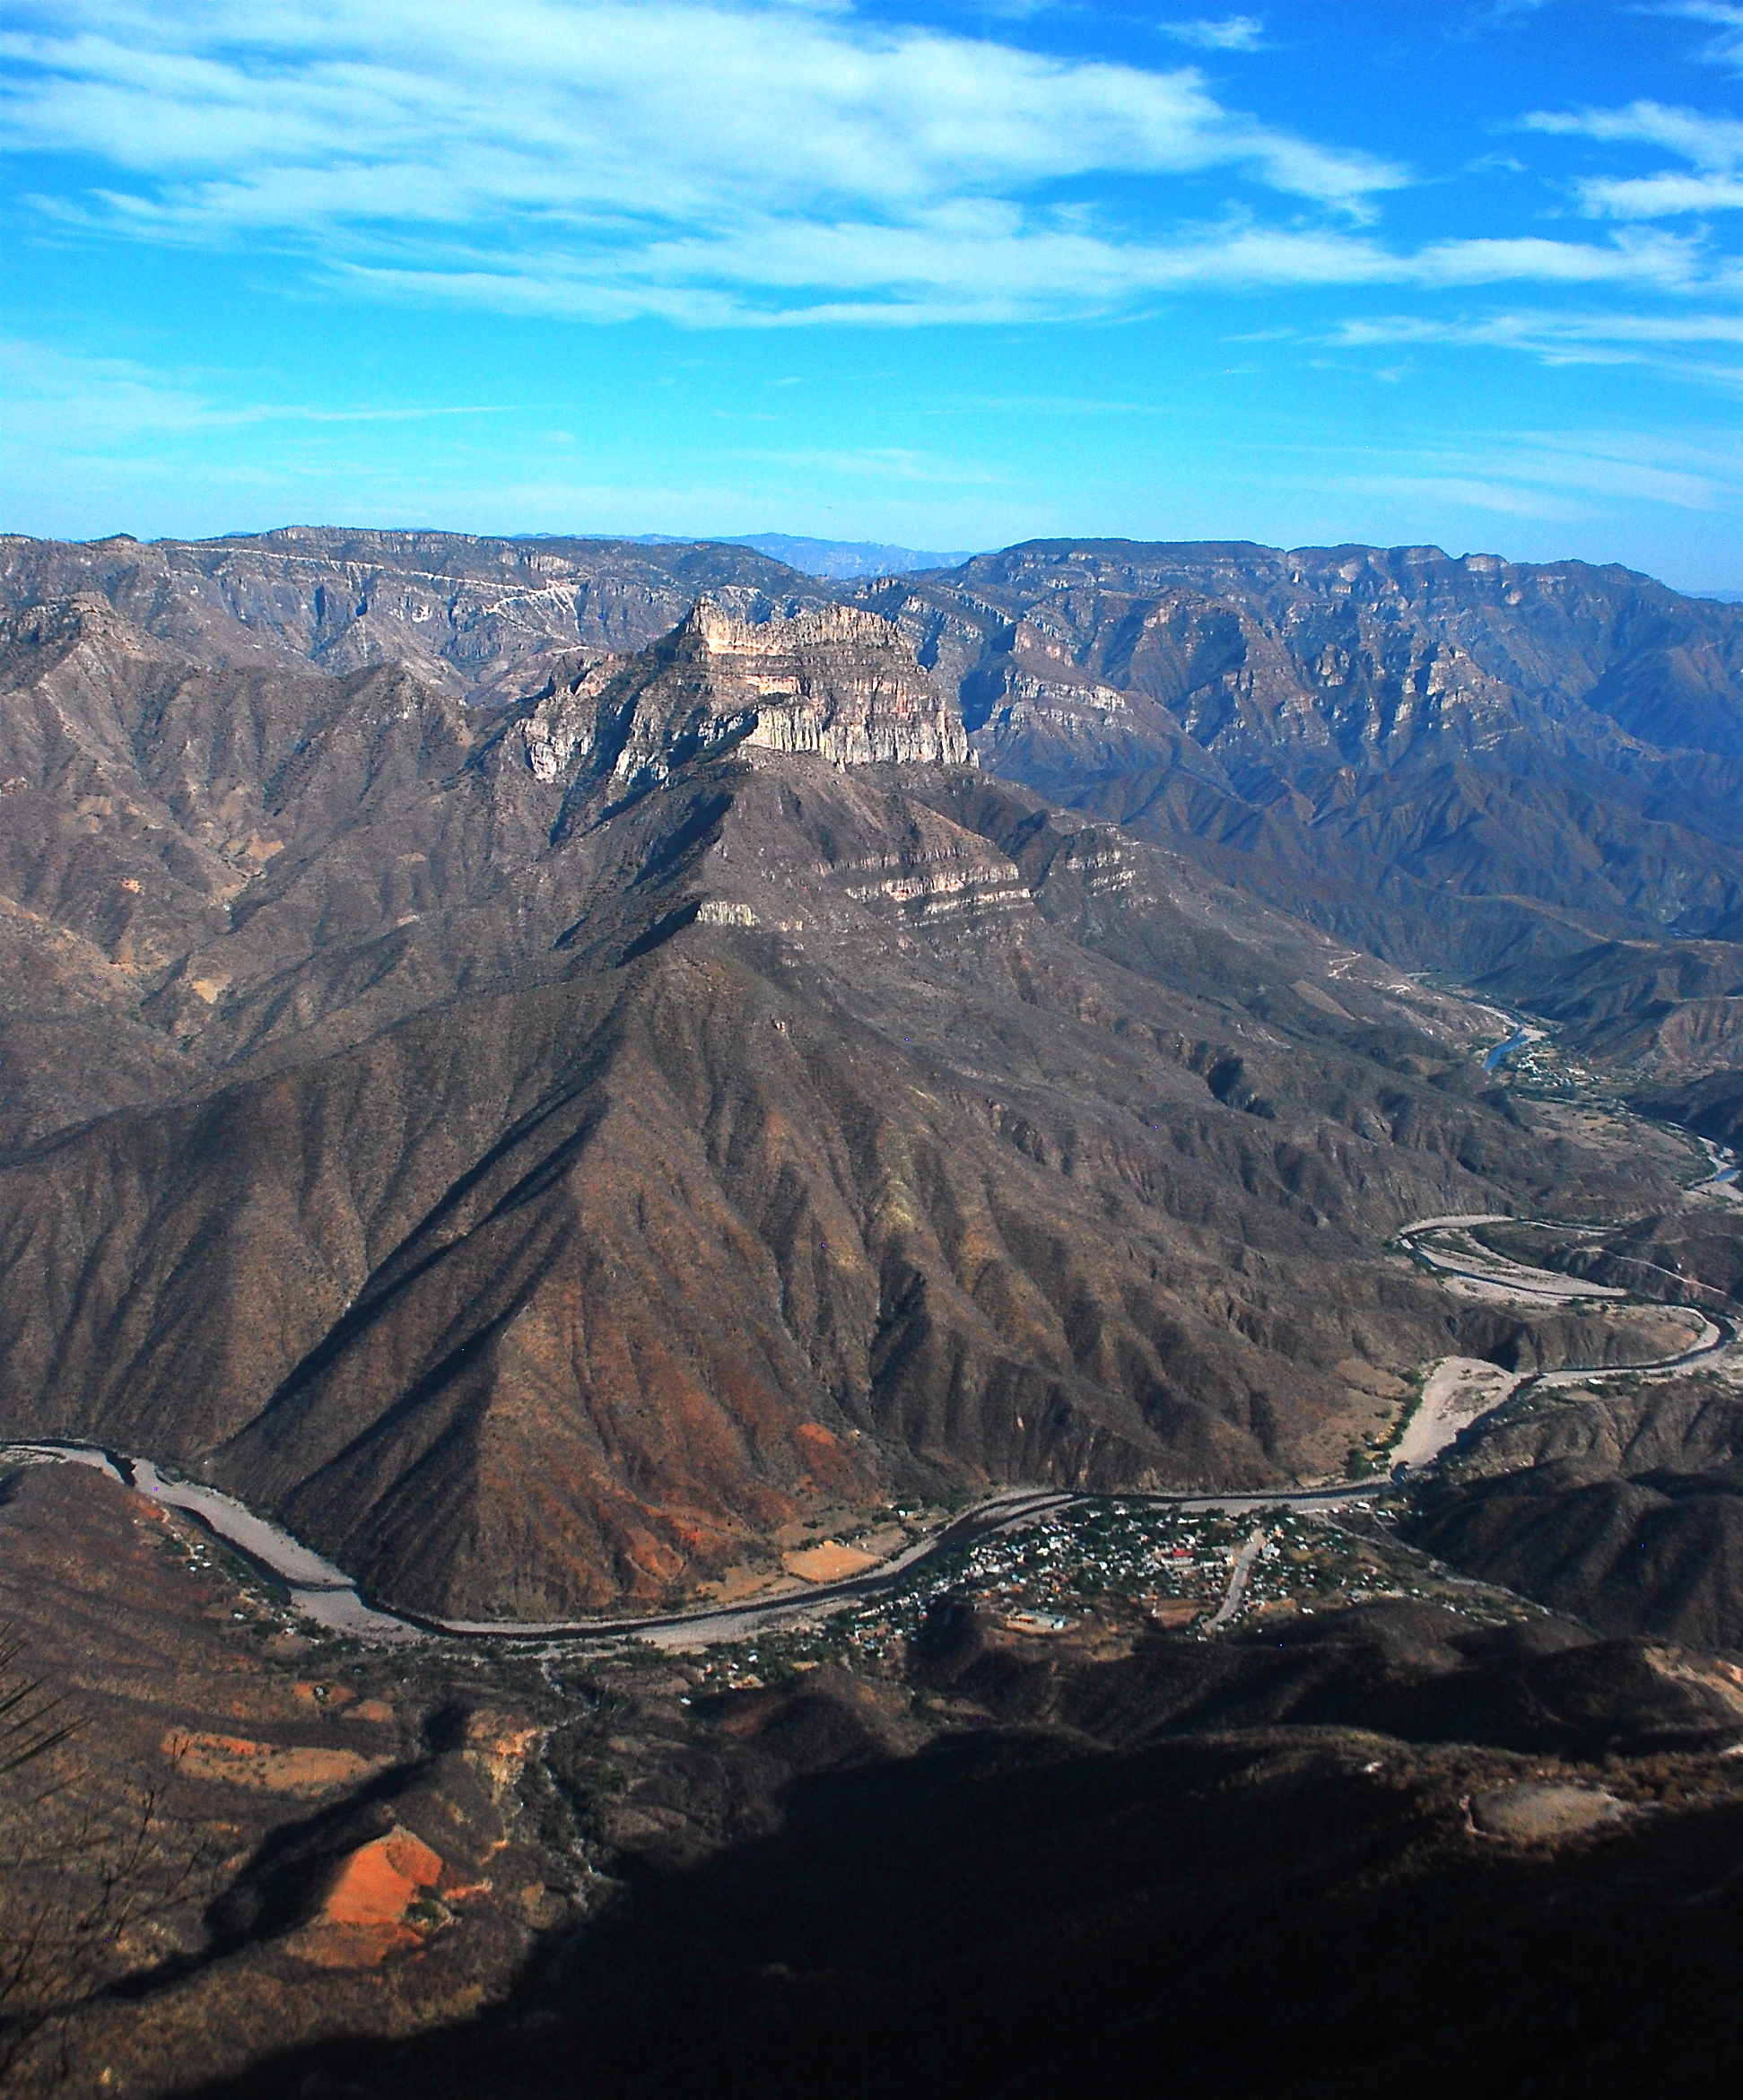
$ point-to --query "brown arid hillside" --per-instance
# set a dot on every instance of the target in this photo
(1712, 1105)
(540, 1149)
(1431, 1834)
(231, 1838)
(1623, 1508)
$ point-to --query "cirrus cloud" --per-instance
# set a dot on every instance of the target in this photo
(1228, 32)
(599, 116)
(1712, 146)
(714, 161)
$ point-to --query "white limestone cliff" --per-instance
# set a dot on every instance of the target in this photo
(842, 684)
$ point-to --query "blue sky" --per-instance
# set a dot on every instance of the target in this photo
(1463, 271)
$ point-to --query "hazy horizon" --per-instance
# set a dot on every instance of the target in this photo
(909, 272)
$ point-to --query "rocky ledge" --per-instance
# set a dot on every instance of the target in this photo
(841, 684)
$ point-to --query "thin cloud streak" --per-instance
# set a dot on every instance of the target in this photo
(588, 158)
(1693, 135)
(1711, 146)
(49, 393)
(1725, 49)
(1231, 32)
(1568, 476)
(1668, 345)
(985, 266)
(587, 103)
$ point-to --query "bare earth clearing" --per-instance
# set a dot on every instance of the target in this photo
(1460, 1390)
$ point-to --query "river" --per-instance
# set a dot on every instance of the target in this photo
(330, 1597)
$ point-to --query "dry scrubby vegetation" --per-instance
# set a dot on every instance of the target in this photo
(516, 1114)
(90, 1859)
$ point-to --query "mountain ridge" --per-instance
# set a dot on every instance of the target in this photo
(543, 1177)
(1460, 763)
(544, 1128)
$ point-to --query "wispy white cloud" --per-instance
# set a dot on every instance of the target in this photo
(97, 400)
(1726, 48)
(717, 161)
(1694, 136)
(355, 113)
(1500, 499)
(599, 131)
(1662, 197)
(731, 162)
(1677, 345)
(1230, 32)
(1657, 259)
(964, 264)
(1486, 17)
(1711, 146)
(1568, 476)
(1548, 330)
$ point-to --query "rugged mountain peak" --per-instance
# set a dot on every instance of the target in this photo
(841, 684)
(40, 633)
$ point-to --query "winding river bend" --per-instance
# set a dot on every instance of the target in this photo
(329, 1596)
(1519, 1039)
(1458, 1391)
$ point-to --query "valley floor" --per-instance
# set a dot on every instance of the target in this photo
(296, 1845)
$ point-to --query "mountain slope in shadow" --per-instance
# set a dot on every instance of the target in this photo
(581, 1136)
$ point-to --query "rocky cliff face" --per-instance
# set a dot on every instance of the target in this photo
(840, 683)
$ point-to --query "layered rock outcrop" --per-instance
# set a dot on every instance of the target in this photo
(839, 684)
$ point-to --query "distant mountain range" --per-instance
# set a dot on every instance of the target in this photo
(1514, 774)
(544, 1082)
(833, 558)
(1518, 773)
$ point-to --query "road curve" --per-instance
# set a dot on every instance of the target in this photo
(1528, 1283)
(327, 1595)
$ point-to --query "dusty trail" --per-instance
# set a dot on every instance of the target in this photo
(1239, 1578)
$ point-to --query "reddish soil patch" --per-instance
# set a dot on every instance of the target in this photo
(827, 1562)
(364, 1920)
(235, 1761)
